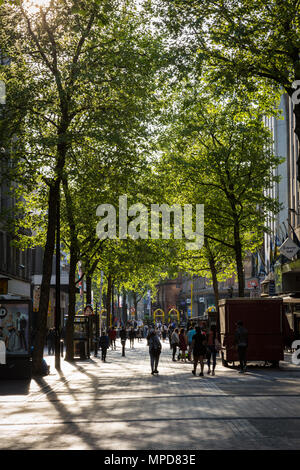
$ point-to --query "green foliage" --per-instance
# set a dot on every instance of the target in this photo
(217, 152)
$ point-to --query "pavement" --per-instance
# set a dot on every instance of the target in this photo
(119, 405)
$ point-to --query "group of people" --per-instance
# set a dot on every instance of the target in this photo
(196, 345)
(108, 339)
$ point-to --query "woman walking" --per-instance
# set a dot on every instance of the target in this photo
(199, 350)
(154, 351)
(182, 344)
(174, 343)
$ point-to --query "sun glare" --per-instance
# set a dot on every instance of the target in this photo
(33, 6)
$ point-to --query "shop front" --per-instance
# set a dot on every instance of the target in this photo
(15, 327)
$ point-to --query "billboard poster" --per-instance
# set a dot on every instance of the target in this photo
(14, 327)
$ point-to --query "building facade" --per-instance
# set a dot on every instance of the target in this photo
(283, 274)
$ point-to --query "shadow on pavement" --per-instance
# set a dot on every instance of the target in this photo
(14, 387)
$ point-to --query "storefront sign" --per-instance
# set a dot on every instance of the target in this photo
(289, 249)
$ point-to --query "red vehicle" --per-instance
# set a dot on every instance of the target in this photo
(267, 325)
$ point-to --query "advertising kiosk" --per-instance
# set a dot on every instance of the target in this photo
(15, 326)
(82, 336)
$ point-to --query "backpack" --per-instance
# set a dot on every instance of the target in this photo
(156, 346)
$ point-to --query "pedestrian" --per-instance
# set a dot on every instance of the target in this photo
(145, 331)
(170, 331)
(154, 351)
(241, 342)
(123, 337)
(213, 346)
(131, 336)
(182, 345)
(104, 345)
(51, 341)
(199, 350)
(139, 334)
(191, 332)
(112, 337)
(164, 332)
(174, 343)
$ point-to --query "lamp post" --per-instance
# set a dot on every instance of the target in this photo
(57, 288)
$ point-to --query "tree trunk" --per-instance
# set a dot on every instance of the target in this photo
(88, 289)
(112, 302)
(239, 260)
(213, 270)
(135, 302)
(72, 305)
(40, 337)
(124, 308)
(108, 300)
(72, 276)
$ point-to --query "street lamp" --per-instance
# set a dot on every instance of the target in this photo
(57, 286)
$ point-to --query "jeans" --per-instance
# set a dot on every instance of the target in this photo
(174, 348)
(103, 351)
(154, 359)
(211, 352)
(242, 351)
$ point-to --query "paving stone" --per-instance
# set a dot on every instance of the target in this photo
(120, 405)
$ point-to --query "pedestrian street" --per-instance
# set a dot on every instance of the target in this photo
(119, 405)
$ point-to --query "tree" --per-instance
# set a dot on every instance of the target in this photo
(219, 153)
(251, 45)
(73, 70)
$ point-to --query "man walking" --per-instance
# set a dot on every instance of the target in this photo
(154, 351)
(104, 345)
(241, 341)
(123, 337)
(51, 341)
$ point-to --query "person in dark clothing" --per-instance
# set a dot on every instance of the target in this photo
(154, 351)
(131, 336)
(112, 337)
(213, 346)
(104, 345)
(199, 349)
(123, 337)
(174, 343)
(241, 341)
(51, 341)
